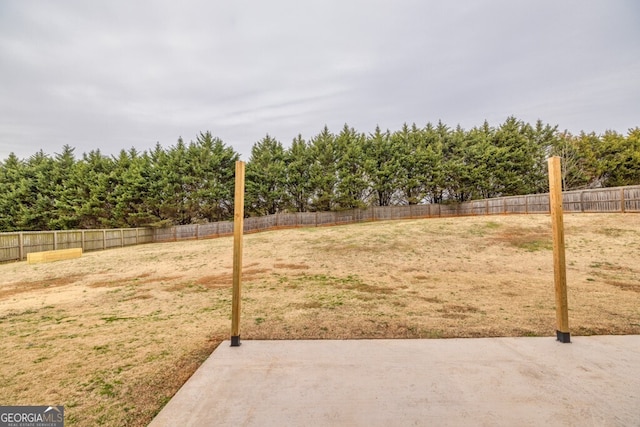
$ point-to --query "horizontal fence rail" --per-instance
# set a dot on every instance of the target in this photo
(15, 246)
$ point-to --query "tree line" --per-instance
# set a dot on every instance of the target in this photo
(193, 182)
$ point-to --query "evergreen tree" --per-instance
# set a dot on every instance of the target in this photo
(117, 191)
(323, 171)
(619, 158)
(64, 190)
(383, 164)
(214, 170)
(481, 158)
(430, 159)
(352, 184)
(11, 176)
(92, 179)
(35, 194)
(459, 165)
(266, 178)
(298, 184)
(174, 179)
(131, 195)
(155, 192)
(520, 158)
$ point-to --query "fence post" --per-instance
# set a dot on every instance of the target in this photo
(622, 202)
(20, 246)
(55, 240)
(559, 264)
(104, 239)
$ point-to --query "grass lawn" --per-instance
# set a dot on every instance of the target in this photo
(114, 334)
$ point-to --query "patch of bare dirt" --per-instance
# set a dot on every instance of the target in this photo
(25, 286)
(291, 266)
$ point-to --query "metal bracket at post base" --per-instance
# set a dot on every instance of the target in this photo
(563, 337)
(235, 341)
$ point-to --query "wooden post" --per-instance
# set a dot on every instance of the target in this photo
(559, 265)
(238, 228)
(20, 246)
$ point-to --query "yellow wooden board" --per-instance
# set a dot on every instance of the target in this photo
(49, 256)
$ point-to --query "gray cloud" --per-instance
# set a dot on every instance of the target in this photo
(119, 74)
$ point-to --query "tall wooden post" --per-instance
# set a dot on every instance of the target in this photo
(559, 264)
(238, 227)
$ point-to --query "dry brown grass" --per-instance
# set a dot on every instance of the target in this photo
(114, 334)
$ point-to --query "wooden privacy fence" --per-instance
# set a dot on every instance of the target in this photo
(16, 246)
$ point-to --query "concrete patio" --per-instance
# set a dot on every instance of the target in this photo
(594, 381)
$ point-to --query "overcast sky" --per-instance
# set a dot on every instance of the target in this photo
(118, 74)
